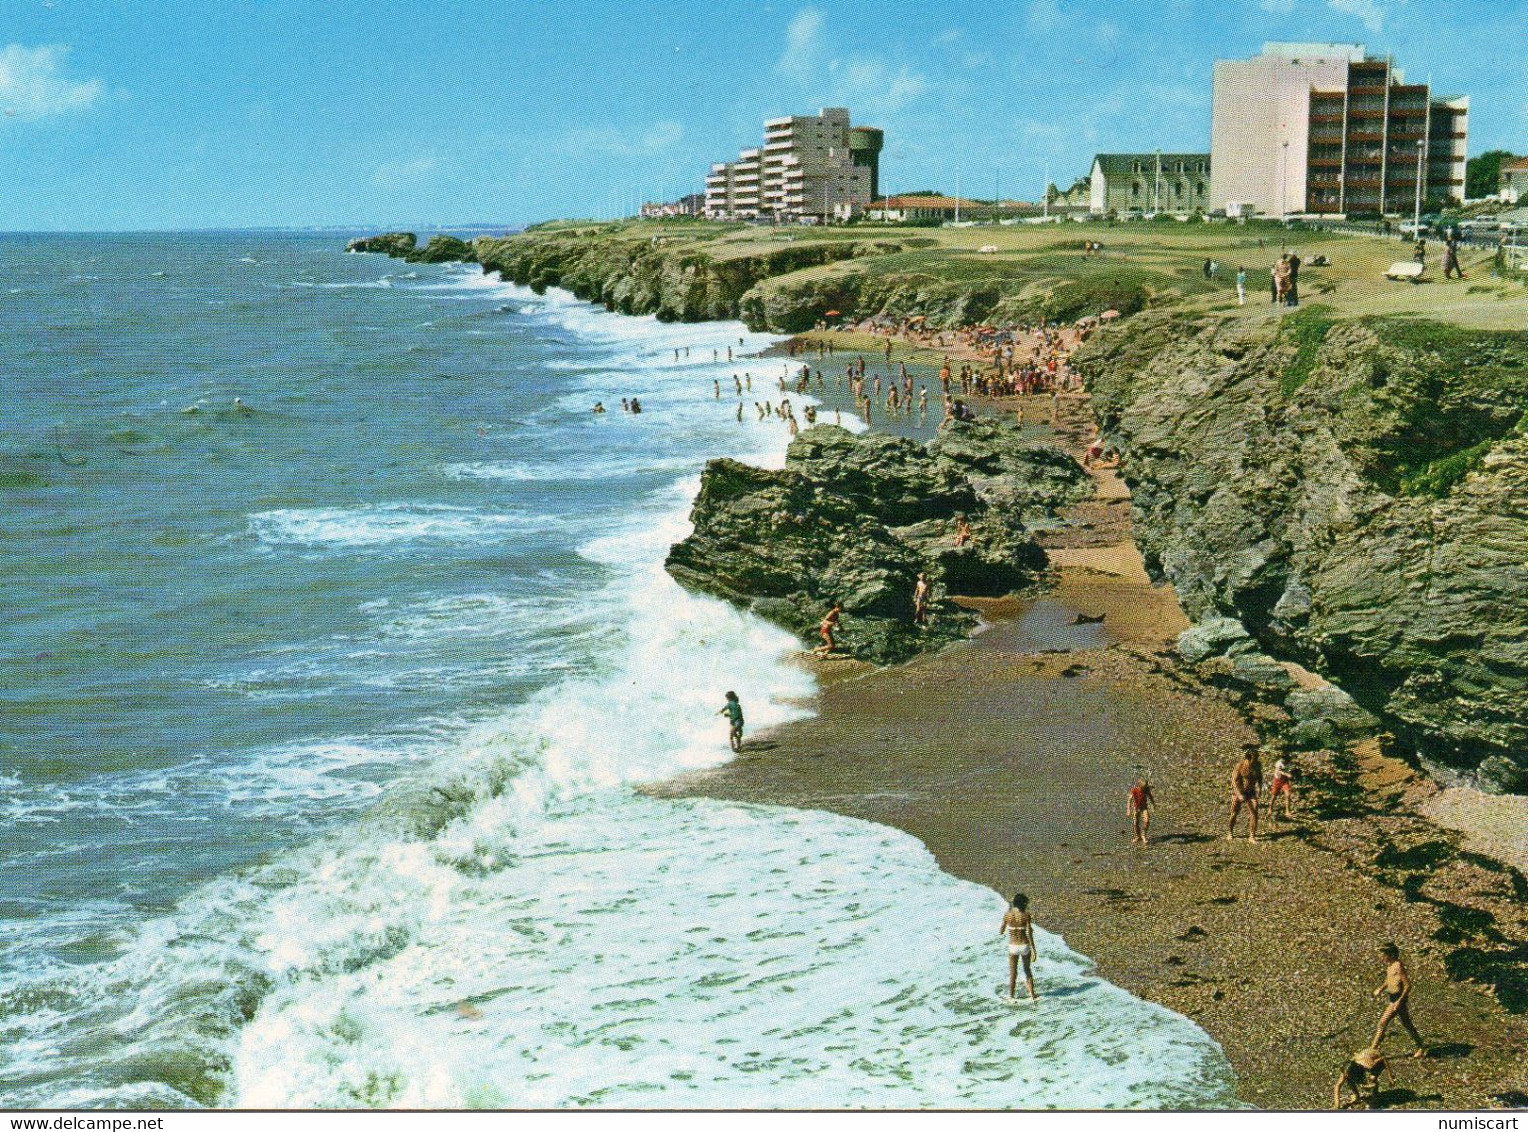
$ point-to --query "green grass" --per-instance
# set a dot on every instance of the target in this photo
(1307, 330)
(1438, 478)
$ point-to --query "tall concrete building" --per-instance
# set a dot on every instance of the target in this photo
(810, 167)
(1323, 128)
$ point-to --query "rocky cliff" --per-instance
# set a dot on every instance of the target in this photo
(856, 518)
(684, 278)
(1355, 493)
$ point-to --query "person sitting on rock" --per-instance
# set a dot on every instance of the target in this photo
(962, 531)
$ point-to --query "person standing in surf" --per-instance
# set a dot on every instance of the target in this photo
(1019, 927)
(733, 710)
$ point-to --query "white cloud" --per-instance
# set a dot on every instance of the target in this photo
(948, 36)
(803, 45)
(402, 171)
(1368, 11)
(610, 142)
(1277, 7)
(867, 84)
(1043, 17)
(32, 88)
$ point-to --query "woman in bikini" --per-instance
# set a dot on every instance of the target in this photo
(1020, 930)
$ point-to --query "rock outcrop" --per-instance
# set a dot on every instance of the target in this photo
(398, 244)
(855, 519)
(1354, 493)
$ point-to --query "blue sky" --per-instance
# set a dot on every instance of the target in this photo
(126, 114)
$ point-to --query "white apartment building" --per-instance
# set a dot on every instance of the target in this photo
(732, 188)
(811, 168)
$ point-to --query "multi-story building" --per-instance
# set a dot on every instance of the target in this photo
(810, 168)
(733, 188)
(1323, 128)
(1149, 182)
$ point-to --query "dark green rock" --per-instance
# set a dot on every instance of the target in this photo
(390, 243)
(443, 249)
(856, 519)
(1355, 498)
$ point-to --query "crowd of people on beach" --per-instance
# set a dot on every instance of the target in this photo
(1024, 362)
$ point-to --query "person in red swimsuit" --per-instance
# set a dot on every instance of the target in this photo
(1138, 808)
(826, 629)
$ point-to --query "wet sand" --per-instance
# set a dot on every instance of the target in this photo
(1010, 755)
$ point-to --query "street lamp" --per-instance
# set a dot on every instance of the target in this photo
(1284, 180)
(1416, 218)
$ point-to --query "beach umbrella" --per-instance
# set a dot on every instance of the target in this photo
(830, 314)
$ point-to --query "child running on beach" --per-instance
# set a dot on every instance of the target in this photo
(1019, 927)
(1283, 784)
(1138, 808)
(733, 710)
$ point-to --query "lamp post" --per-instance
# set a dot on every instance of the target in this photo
(1284, 180)
(1416, 217)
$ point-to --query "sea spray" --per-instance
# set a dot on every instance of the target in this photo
(388, 850)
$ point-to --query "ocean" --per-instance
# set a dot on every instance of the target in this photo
(323, 709)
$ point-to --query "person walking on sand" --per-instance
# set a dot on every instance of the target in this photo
(1246, 785)
(921, 593)
(826, 630)
(1283, 784)
(1360, 1076)
(1019, 927)
(1241, 286)
(1138, 809)
(733, 710)
(1397, 989)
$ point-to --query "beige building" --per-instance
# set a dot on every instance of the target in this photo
(1322, 128)
(810, 168)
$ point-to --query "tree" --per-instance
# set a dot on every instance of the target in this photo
(1483, 173)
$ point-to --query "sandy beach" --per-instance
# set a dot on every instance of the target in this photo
(1010, 755)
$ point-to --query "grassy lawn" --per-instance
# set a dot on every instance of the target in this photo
(1165, 258)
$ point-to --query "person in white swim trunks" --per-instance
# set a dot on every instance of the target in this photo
(1020, 930)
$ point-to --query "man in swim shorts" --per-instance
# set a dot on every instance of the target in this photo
(733, 710)
(1396, 990)
(1020, 930)
(1246, 785)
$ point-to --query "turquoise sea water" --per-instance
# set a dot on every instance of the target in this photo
(320, 711)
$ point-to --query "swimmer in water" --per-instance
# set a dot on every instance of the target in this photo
(599, 406)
